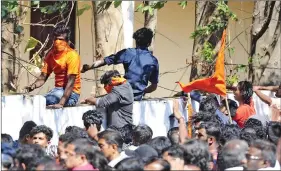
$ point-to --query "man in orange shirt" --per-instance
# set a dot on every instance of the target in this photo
(243, 94)
(65, 63)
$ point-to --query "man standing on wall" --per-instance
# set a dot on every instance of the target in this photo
(139, 64)
(65, 63)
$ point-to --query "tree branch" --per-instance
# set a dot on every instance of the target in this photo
(265, 25)
(68, 17)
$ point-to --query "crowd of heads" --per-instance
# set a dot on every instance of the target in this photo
(214, 145)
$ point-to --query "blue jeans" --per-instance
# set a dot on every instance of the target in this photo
(54, 96)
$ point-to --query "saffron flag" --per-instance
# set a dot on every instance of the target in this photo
(214, 84)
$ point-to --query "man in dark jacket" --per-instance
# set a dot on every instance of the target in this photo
(119, 100)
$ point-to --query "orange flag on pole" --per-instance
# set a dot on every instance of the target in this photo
(214, 84)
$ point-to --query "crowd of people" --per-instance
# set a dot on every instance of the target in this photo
(246, 142)
(223, 135)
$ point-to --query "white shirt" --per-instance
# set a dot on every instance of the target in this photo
(113, 162)
(235, 168)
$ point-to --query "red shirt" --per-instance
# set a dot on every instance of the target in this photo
(243, 112)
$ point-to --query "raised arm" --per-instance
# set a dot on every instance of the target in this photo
(181, 121)
(266, 99)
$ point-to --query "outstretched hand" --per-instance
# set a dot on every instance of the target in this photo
(85, 68)
(176, 110)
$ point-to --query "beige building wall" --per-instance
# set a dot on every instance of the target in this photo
(173, 45)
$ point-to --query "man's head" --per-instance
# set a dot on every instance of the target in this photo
(61, 36)
(257, 126)
(157, 164)
(209, 132)
(24, 136)
(143, 152)
(174, 155)
(143, 37)
(110, 143)
(173, 135)
(48, 163)
(202, 116)
(27, 154)
(274, 132)
(109, 79)
(142, 134)
(41, 135)
(6, 138)
(92, 118)
(79, 152)
(233, 154)
(229, 132)
(126, 132)
(209, 104)
(196, 153)
(248, 135)
(261, 154)
(131, 163)
(244, 92)
(159, 144)
(232, 107)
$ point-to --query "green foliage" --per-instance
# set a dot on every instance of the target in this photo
(59, 6)
(232, 79)
(7, 8)
(207, 52)
(103, 6)
(31, 44)
(218, 21)
(182, 4)
(83, 9)
(151, 7)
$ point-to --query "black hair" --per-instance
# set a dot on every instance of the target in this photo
(77, 131)
(209, 104)
(143, 37)
(229, 132)
(92, 117)
(176, 151)
(126, 132)
(196, 153)
(28, 153)
(212, 129)
(6, 138)
(173, 135)
(204, 116)
(112, 137)
(246, 91)
(165, 165)
(129, 164)
(268, 150)
(233, 106)
(248, 135)
(142, 134)
(47, 162)
(159, 144)
(93, 155)
(106, 77)
(274, 132)
(44, 129)
(257, 126)
(25, 130)
(61, 29)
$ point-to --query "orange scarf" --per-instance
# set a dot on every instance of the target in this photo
(60, 45)
(115, 81)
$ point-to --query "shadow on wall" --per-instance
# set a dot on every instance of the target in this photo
(274, 78)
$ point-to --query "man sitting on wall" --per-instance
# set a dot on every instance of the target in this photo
(119, 100)
(139, 64)
(65, 63)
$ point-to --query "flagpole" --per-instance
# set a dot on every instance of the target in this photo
(227, 107)
(189, 123)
